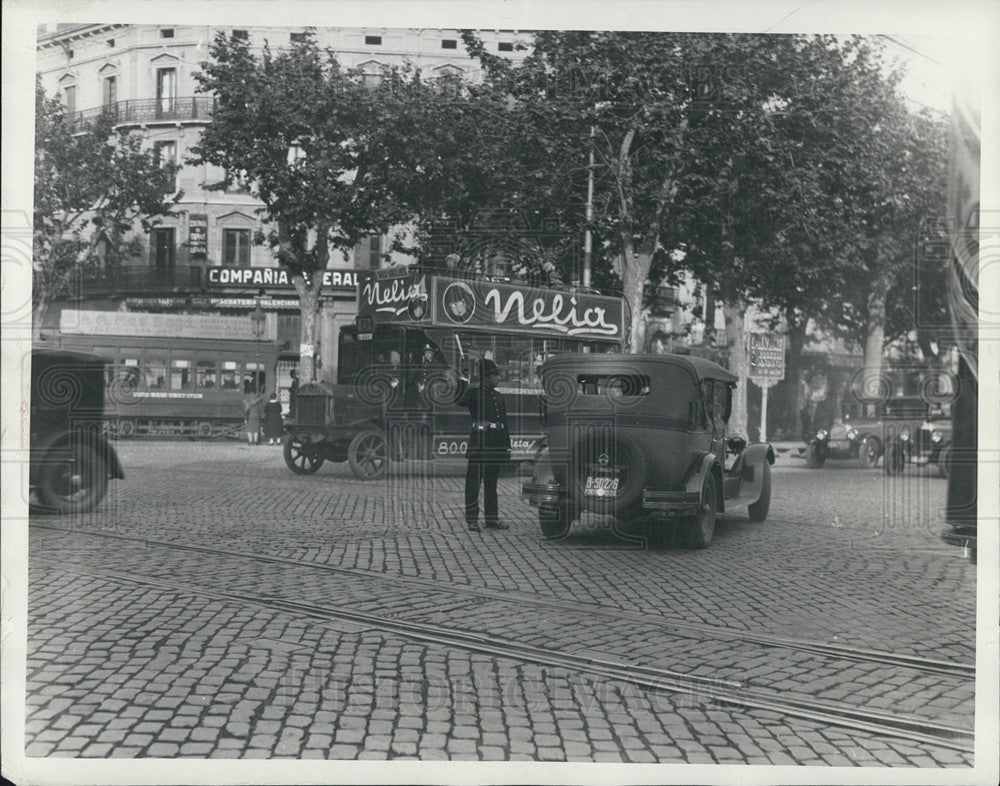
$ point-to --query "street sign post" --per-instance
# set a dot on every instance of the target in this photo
(766, 353)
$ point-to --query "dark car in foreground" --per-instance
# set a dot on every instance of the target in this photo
(71, 459)
(644, 435)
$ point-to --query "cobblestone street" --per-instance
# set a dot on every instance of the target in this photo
(216, 605)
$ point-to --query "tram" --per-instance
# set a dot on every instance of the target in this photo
(415, 336)
(173, 375)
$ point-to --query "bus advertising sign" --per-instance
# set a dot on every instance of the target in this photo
(767, 356)
(511, 308)
(393, 296)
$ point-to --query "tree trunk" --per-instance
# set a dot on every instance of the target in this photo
(635, 272)
(735, 313)
(308, 292)
(875, 385)
(796, 396)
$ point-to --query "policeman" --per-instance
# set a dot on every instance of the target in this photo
(489, 446)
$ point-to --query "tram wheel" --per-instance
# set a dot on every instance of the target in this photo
(126, 428)
(204, 429)
(301, 457)
(367, 455)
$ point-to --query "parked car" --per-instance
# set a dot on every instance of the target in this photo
(628, 435)
(892, 436)
(70, 458)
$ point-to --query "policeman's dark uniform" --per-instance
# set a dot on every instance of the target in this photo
(489, 447)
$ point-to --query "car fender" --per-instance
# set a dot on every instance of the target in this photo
(707, 464)
(747, 468)
(45, 449)
(542, 471)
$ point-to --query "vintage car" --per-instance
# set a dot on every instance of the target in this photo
(896, 434)
(630, 435)
(71, 460)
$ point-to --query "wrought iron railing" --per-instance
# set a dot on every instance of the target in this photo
(148, 110)
(138, 279)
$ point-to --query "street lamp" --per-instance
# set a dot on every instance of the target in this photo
(258, 319)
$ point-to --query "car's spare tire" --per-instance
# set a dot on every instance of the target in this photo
(607, 470)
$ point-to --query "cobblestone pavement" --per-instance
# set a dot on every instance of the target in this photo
(142, 645)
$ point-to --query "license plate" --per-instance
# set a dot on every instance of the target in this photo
(601, 487)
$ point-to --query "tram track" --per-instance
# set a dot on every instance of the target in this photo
(679, 627)
(725, 693)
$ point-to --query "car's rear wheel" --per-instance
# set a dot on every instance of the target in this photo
(814, 456)
(759, 509)
(895, 459)
(301, 457)
(869, 452)
(73, 479)
(554, 521)
(701, 527)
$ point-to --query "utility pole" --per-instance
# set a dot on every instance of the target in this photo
(587, 240)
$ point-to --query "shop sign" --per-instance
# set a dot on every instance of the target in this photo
(124, 323)
(766, 353)
(198, 234)
(394, 296)
(277, 277)
(528, 310)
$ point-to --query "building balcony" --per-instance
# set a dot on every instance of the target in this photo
(137, 280)
(147, 111)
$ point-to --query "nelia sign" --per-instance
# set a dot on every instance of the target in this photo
(516, 309)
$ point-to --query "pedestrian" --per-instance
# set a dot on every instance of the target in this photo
(293, 393)
(273, 425)
(489, 446)
(251, 408)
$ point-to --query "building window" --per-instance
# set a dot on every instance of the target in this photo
(236, 247)
(167, 32)
(449, 43)
(297, 38)
(110, 91)
(505, 46)
(69, 54)
(164, 254)
(111, 43)
(241, 35)
(166, 90)
(373, 40)
(69, 98)
(165, 153)
(372, 74)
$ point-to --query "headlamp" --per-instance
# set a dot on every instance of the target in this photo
(936, 436)
(822, 433)
(852, 434)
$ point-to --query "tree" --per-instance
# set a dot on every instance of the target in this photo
(333, 154)
(92, 186)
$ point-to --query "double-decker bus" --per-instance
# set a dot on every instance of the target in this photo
(414, 337)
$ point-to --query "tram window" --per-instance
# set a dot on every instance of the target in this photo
(229, 379)
(255, 378)
(128, 373)
(156, 374)
(180, 374)
(205, 375)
